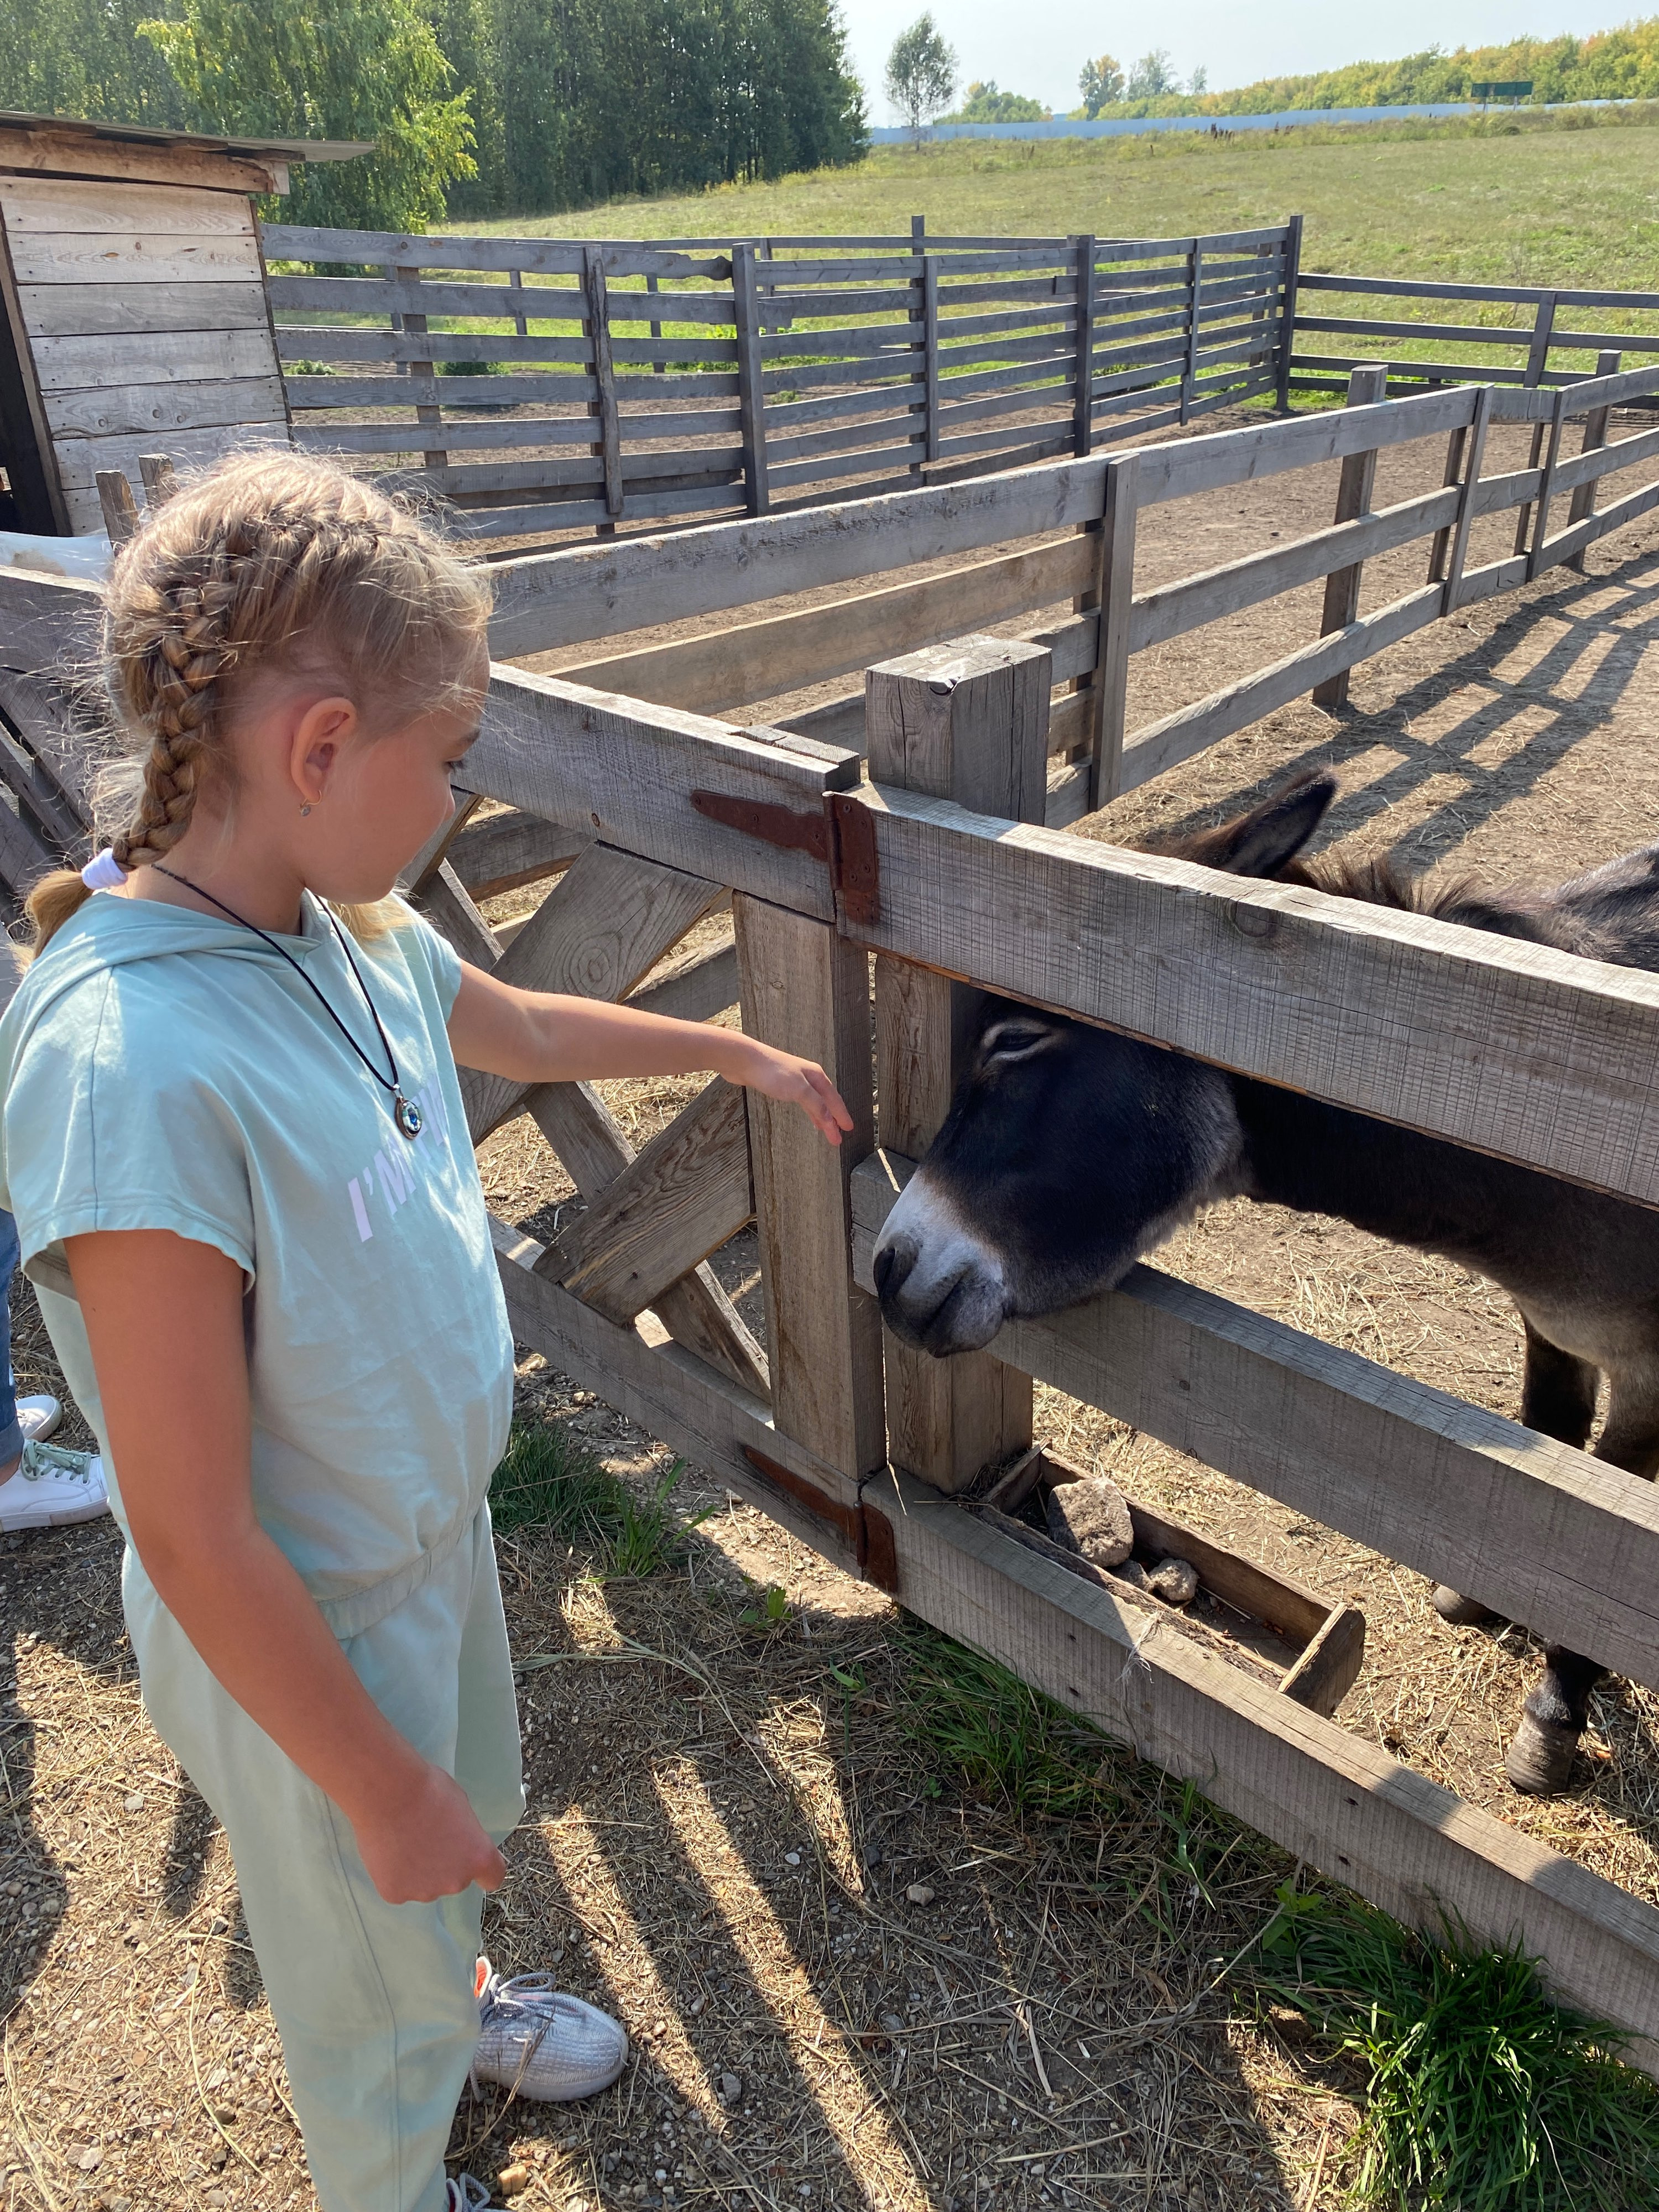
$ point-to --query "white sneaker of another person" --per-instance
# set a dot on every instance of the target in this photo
(52, 1487)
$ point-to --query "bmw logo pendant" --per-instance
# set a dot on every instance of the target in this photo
(407, 1115)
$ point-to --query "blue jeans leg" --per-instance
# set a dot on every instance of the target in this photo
(11, 1434)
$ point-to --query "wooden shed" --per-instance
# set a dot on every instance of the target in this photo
(135, 318)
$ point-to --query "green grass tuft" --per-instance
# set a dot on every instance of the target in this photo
(1483, 2096)
(546, 1480)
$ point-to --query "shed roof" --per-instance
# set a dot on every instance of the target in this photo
(286, 150)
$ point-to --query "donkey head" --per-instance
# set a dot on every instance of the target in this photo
(1069, 1151)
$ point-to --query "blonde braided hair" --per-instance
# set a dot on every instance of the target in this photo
(264, 563)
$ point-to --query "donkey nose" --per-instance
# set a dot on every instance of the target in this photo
(895, 1260)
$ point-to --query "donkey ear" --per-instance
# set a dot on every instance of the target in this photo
(1264, 841)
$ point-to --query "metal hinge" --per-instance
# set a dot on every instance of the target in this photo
(841, 834)
(869, 1532)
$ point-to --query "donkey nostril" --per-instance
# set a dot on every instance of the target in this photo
(894, 1261)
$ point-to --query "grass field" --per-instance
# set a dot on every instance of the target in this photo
(1499, 203)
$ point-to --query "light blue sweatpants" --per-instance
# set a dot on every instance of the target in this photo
(373, 2001)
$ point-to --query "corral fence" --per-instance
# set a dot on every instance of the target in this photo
(539, 385)
(924, 844)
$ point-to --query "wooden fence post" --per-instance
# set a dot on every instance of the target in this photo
(1114, 594)
(1474, 452)
(652, 284)
(752, 382)
(1595, 435)
(609, 448)
(1354, 498)
(1082, 403)
(967, 721)
(1194, 273)
(930, 353)
(1546, 489)
(427, 412)
(803, 988)
(1287, 311)
(1543, 329)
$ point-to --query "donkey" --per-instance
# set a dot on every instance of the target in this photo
(1069, 1152)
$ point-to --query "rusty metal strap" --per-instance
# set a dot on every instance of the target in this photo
(870, 1533)
(841, 834)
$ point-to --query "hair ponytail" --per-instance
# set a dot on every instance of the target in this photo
(266, 562)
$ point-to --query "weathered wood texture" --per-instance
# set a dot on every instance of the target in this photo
(807, 992)
(1543, 1533)
(102, 381)
(1513, 1049)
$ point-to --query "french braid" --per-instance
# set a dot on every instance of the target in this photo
(264, 563)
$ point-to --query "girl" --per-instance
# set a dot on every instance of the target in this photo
(234, 1144)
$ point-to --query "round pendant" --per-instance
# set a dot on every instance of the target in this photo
(407, 1115)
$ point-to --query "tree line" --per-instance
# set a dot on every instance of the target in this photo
(474, 108)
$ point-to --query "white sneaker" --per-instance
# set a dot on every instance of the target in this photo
(542, 2044)
(465, 2194)
(52, 1485)
(38, 1417)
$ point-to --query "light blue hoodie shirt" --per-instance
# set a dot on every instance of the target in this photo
(165, 1070)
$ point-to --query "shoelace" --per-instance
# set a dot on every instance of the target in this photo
(40, 1459)
(513, 1997)
(464, 2186)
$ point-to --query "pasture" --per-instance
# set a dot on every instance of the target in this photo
(1499, 203)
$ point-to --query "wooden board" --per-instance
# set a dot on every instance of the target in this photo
(129, 258)
(155, 410)
(724, 669)
(1231, 457)
(60, 153)
(39, 206)
(1544, 1535)
(695, 991)
(597, 763)
(678, 1200)
(95, 310)
(806, 992)
(1342, 1805)
(504, 851)
(47, 622)
(208, 354)
(599, 931)
(1514, 1048)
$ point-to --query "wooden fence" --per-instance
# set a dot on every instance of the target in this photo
(611, 382)
(940, 865)
(1545, 326)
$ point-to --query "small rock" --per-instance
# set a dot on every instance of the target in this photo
(892, 2023)
(919, 1894)
(1131, 1572)
(90, 2158)
(135, 1804)
(512, 2179)
(1175, 1580)
(1091, 1515)
(731, 2088)
(791, 1858)
(696, 2005)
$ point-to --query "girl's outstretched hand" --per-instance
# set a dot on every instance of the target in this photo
(801, 1083)
(427, 1843)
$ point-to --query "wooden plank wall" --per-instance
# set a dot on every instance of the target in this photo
(868, 364)
(143, 308)
(1521, 334)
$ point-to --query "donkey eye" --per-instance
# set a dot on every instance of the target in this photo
(1014, 1040)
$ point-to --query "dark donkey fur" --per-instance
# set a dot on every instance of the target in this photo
(1069, 1152)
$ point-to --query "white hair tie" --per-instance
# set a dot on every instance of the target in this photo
(105, 872)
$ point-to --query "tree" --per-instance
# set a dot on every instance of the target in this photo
(1100, 84)
(921, 73)
(987, 103)
(1152, 75)
(1199, 83)
(330, 68)
(84, 58)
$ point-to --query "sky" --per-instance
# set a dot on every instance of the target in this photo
(1038, 47)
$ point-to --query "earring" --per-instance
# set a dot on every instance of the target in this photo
(306, 809)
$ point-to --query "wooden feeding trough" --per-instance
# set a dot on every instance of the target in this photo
(1273, 1625)
(132, 304)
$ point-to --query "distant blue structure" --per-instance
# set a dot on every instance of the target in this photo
(1064, 126)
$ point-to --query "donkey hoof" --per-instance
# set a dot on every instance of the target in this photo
(1540, 1757)
(1460, 1611)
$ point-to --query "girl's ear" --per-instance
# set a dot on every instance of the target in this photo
(318, 735)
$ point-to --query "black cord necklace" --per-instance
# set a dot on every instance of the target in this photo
(406, 1113)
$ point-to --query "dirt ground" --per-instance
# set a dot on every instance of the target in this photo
(723, 1834)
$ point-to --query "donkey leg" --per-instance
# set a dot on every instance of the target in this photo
(1558, 1399)
(1553, 1719)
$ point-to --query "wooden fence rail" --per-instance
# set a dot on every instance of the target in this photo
(750, 374)
(1530, 1053)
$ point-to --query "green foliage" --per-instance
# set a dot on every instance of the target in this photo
(921, 72)
(1618, 64)
(989, 103)
(1100, 82)
(771, 1613)
(1483, 2096)
(84, 58)
(1152, 75)
(545, 1480)
(330, 68)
